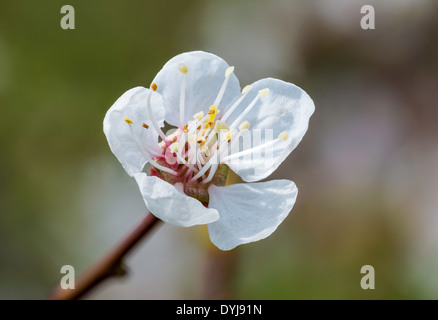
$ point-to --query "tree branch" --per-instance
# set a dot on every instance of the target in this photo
(109, 266)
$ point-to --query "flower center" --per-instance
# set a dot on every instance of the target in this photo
(195, 154)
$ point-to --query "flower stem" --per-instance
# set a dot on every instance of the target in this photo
(109, 266)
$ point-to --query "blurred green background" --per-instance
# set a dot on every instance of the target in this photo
(367, 170)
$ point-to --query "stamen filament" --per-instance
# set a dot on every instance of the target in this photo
(154, 122)
(145, 150)
(250, 150)
(220, 95)
(182, 98)
(234, 106)
(245, 112)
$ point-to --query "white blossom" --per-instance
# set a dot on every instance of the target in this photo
(199, 94)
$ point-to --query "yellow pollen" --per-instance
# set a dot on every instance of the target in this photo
(214, 109)
(174, 147)
(183, 68)
(128, 121)
(244, 126)
(213, 112)
(228, 136)
(199, 115)
(144, 125)
(263, 92)
(217, 147)
(154, 87)
(209, 124)
(283, 136)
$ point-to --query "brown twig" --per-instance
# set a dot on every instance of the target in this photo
(109, 266)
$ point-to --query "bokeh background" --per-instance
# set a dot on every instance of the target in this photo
(367, 169)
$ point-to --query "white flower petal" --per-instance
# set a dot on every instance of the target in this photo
(169, 204)
(249, 211)
(285, 107)
(130, 143)
(206, 73)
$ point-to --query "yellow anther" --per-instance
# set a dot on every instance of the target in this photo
(244, 125)
(144, 125)
(186, 128)
(154, 87)
(263, 92)
(199, 115)
(174, 147)
(209, 125)
(229, 71)
(228, 136)
(128, 121)
(183, 68)
(220, 126)
(213, 112)
(206, 150)
(246, 89)
(283, 136)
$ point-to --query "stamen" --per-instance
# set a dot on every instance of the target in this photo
(144, 125)
(146, 151)
(174, 147)
(201, 172)
(153, 121)
(128, 121)
(185, 129)
(262, 93)
(228, 73)
(192, 138)
(215, 165)
(160, 167)
(199, 115)
(281, 137)
(220, 125)
(182, 98)
(183, 68)
(246, 89)
(184, 162)
(210, 174)
(234, 106)
(244, 125)
(228, 136)
(154, 87)
(213, 112)
(206, 150)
